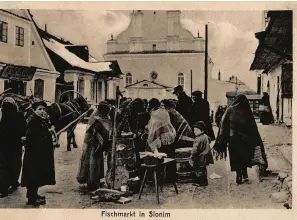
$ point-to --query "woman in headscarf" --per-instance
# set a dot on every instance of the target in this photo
(239, 132)
(91, 167)
(12, 128)
(38, 168)
(266, 117)
(184, 133)
(162, 135)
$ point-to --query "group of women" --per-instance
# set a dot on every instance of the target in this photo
(156, 126)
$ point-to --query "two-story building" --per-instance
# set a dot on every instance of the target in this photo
(25, 67)
(156, 54)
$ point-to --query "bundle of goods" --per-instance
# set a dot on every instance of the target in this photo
(184, 169)
(149, 158)
(106, 195)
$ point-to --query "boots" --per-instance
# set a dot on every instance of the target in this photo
(241, 175)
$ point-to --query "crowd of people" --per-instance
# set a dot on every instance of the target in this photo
(154, 125)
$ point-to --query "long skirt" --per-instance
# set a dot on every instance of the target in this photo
(91, 168)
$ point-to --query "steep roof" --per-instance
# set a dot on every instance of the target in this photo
(61, 48)
(73, 60)
(275, 43)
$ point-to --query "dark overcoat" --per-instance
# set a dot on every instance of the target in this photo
(38, 164)
(183, 106)
(200, 112)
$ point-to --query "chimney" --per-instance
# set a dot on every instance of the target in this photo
(45, 28)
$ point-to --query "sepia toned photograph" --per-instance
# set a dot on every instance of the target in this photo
(146, 109)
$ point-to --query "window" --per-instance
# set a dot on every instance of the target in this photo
(154, 47)
(93, 89)
(268, 88)
(259, 83)
(17, 87)
(154, 76)
(19, 36)
(3, 31)
(128, 79)
(81, 86)
(181, 80)
(39, 88)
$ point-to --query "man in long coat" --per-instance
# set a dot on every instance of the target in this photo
(184, 102)
(200, 112)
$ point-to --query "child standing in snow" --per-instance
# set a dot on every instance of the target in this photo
(201, 154)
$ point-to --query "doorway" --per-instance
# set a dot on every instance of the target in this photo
(17, 87)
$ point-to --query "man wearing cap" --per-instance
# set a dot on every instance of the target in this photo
(184, 102)
(200, 112)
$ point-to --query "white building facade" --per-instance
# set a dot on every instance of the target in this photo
(22, 53)
(273, 63)
(156, 54)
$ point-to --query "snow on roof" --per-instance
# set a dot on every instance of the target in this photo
(74, 60)
(92, 59)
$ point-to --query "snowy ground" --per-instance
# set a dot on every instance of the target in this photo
(221, 193)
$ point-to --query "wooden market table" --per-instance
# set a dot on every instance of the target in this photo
(157, 171)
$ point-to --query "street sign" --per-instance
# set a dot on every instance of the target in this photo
(21, 73)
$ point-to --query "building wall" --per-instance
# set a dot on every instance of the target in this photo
(32, 53)
(287, 109)
(272, 90)
(49, 85)
(161, 28)
(148, 93)
(167, 66)
(10, 53)
(284, 105)
(74, 75)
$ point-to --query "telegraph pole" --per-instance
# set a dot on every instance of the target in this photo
(206, 63)
(236, 85)
(191, 75)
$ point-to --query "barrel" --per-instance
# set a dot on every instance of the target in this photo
(184, 169)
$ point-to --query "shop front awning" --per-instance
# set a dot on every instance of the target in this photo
(16, 72)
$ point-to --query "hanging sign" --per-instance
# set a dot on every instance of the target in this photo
(21, 73)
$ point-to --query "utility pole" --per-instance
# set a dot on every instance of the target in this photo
(236, 88)
(206, 63)
(191, 75)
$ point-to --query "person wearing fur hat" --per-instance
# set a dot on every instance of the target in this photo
(91, 167)
(38, 168)
(201, 155)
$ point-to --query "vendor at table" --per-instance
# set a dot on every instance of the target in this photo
(161, 134)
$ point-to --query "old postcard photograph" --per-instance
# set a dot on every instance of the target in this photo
(148, 108)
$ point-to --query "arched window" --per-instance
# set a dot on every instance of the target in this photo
(39, 88)
(268, 88)
(181, 80)
(128, 79)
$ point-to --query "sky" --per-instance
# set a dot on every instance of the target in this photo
(232, 41)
